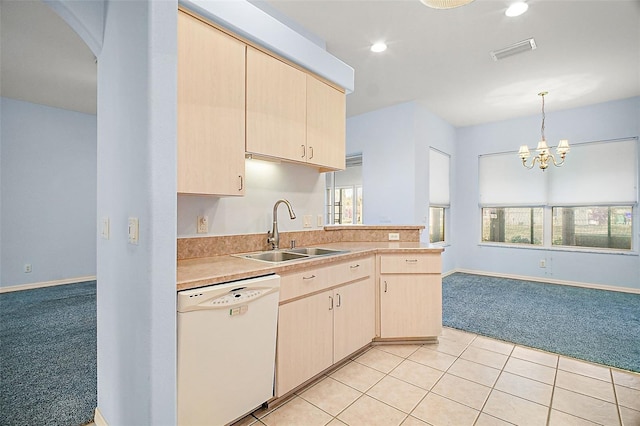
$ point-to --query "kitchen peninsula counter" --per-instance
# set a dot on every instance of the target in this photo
(202, 271)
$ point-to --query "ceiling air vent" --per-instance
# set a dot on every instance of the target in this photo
(514, 49)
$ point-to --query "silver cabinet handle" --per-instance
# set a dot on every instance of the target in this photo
(304, 151)
(330, 303)
(411, 260)
(339, 300)
(311, 151)
(354, 266)
(309, 277)
(385, 286)
(241, 183)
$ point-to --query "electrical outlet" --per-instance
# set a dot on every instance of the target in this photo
(307, 221)
(203, 224)
(543, 263)
(27, 268)
(394, 236)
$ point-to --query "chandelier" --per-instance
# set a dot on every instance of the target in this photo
(544, 153)
(445, 4)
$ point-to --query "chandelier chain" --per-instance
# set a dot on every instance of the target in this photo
(543, 116)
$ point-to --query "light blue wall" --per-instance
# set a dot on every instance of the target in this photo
(137, 178)
(394, 143)
(611, 120)
(48, 168)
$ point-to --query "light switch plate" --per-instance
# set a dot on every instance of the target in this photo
(394, 236)
(134, 229)
(104, 228)
(307, 221)
(203, 224)
(320, 221)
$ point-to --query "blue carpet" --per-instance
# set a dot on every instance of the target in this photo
(48, 356)
(593, 325)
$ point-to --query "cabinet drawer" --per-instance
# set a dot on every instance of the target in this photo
(419, 263)
(352, 270)
(304, 282)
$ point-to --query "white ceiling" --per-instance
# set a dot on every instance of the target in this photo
(588, 52)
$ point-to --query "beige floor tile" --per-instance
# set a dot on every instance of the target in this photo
(558, 418)
(539, 357)
(586, 407)
(484, 357)
(457, 335)
(336, 422)
(417, 374)
(486, 420)
(379, 360)
(357, 376)
(531, 370)
(628, 397)
(331, 395)
(399, 350)
(437, 410)
(515, 410)
(493, 345)
(297, 412)
(247, 421)
(367, 411)
(431, 358)
(462, 390)
(627, 379)
(585, 368)
(450, 347)
(525, 388)
(585, 385)
(397, 393)
(629, 417)
(475, 372)
(412, 421)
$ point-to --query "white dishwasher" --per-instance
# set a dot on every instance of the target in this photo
(226, 350)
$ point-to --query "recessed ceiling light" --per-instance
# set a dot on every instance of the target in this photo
(516, 9)
(379, 47)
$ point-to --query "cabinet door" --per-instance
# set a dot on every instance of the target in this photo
(211, 109)
(305, 340)
(354, 317)
(326, 128)
(276, 96)
(410, 306)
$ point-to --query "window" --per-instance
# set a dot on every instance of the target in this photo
(588, 202)
(597, 226)
(438, 194)
(517, 225)
(344, 193)
(436, 224)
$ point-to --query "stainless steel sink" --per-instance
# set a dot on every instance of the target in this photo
(277, 256)
(315, 251)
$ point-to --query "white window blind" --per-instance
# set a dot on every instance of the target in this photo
(438, 178)
(595, 173)
(503, 181)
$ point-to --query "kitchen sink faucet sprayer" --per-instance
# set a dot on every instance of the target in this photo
(273, 236)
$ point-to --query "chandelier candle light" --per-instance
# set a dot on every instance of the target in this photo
(544, 154)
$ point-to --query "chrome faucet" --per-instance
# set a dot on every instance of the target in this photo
(273, 236)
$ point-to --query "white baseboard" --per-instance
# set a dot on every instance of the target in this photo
(46, 284)
(547, 281)
(98, 419)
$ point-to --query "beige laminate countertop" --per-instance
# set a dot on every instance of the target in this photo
(193, 273)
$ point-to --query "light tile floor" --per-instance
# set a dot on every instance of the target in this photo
(464, 379)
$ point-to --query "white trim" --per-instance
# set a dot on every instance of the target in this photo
(98, 419)
(547, 281)
(46, 284)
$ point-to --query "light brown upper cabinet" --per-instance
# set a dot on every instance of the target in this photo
(326, 114)
(292, 115)
(211, 109)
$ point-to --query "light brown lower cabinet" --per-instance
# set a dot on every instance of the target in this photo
(322, 328)
(410, 296)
